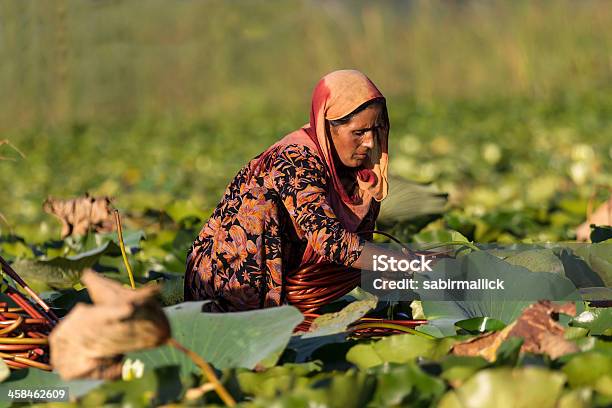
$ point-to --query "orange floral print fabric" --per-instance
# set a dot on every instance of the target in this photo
(260, 229)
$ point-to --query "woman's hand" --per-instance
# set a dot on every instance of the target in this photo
(372, 256)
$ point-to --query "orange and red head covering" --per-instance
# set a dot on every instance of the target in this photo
(336, 95)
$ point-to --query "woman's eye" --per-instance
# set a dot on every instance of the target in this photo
(359, 133)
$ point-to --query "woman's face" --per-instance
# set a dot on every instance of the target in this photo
(354, 140)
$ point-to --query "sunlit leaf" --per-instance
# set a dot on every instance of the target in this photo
(241, 339)
(480, 324)
(537, 260)
(507, 388)
(397, 349)
(597, 320)
(404, 385)
(587, 368)
(330, 327)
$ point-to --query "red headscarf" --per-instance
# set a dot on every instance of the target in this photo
(336, 95)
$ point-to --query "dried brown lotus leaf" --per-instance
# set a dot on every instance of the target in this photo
(91, 340)
(79, 215)
(541, 334)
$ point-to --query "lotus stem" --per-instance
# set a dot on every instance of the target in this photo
(122, 246)
(12, 326)
(14, 295)
(23, 340)
(26, 361)
(208, 372)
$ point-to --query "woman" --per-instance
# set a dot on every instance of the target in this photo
(303, 200)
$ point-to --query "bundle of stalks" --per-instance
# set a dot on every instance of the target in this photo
(24, 326)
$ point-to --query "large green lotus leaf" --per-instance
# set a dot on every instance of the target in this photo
(226, 340)
(586, 369)
(60, 272)
(407, 200)
(599, 258)
(597, 320)
(439, 236)
(398, 349)
(43, 277)
(480, 324)
(330, 328)
(521, 288)
(440, 327)
(404, 385)
(537, 260)
(332, 323)
(32, 378)
(507, 388)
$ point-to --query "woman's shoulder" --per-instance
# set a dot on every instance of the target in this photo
(300, 155)
(298, 148)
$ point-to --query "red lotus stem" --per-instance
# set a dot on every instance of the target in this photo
(15, 276)
(14, 364)
(16, 297)
(17, 347)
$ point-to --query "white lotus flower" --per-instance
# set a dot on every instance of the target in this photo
(132, 369)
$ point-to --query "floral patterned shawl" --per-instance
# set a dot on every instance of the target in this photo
(336, 95)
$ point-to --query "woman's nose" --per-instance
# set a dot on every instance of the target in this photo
(368, 140)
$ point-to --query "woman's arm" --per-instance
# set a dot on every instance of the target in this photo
(301, 184)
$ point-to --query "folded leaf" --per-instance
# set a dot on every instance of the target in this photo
(91, 340)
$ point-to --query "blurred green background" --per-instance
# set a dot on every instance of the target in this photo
(506, 105)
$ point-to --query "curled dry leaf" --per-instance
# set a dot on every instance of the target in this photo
(541, 334)
(79, 215)
(91, 340)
